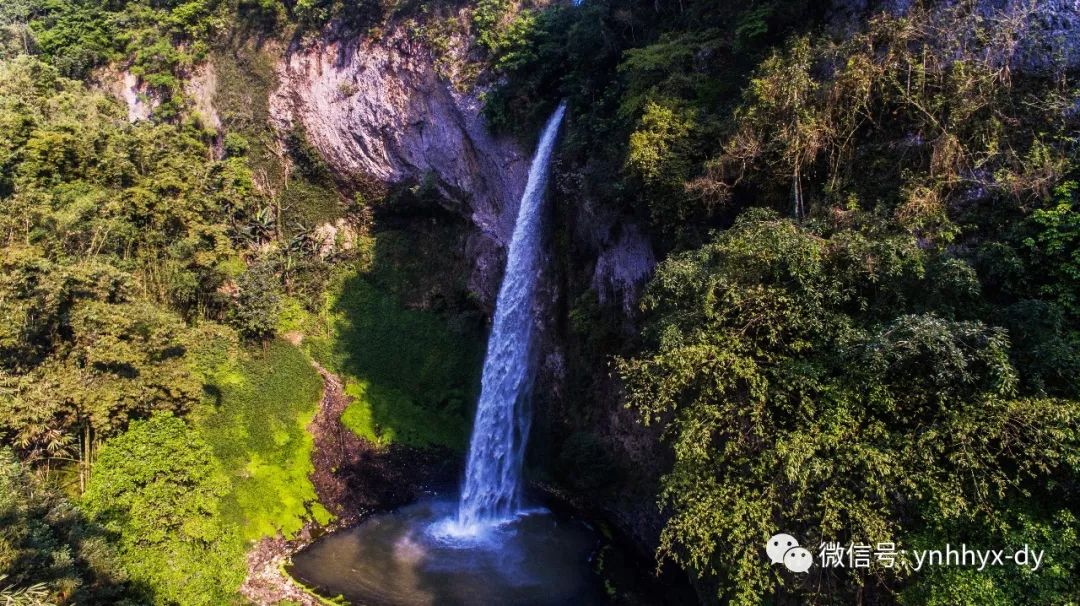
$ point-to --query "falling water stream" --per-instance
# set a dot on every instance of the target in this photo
(492, 490)
(488, 546)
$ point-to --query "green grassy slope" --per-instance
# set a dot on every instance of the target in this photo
(413, 375)
(266, 399)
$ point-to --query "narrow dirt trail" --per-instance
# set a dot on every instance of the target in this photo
(267, 583)
(353, 479)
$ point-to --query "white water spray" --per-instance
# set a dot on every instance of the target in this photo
(492, 490)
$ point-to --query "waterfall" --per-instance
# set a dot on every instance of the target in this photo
(492, 489)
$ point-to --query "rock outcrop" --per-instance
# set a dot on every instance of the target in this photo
(200, 88)
(380, 108)
(623, 266)
(127, 88)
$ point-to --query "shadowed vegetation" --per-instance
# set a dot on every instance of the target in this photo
(413, 376)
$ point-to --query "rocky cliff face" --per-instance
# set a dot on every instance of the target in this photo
(382, 109)
(128, 89)
(379, 108)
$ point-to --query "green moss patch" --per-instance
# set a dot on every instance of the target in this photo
(258, 431)
(413, 373)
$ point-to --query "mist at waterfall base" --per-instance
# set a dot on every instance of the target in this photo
(492, 491)
(488, 547)
(392, 560)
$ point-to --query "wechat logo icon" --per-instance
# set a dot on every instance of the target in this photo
(783, 548)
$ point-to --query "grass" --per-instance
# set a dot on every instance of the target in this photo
(384, 415)
(266, 399)
(306, 205)
(412, 373)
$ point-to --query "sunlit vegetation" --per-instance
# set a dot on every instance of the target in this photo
(159, 489)
(159, 39)
(134, 317)
(112, 235)
(147, 268)
(863, 326)
(257, 429)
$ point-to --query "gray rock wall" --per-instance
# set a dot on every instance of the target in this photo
(379, 108)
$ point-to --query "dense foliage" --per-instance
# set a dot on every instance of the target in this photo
(147, 267)
(159, 40)
(125, 248)
(46, 546)
(865, 324)
(112, 234)
(158, 488)
(890, 353)
(816, 379)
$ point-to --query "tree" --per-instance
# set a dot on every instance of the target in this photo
(122, 362)
(158, 488)
(49, 552)
(804, 387)
(257, 304)
(111, 235)
(1053, 245)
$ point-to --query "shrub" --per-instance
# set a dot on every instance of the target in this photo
(159, 489)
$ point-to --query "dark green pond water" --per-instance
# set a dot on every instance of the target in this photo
(403, 558)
